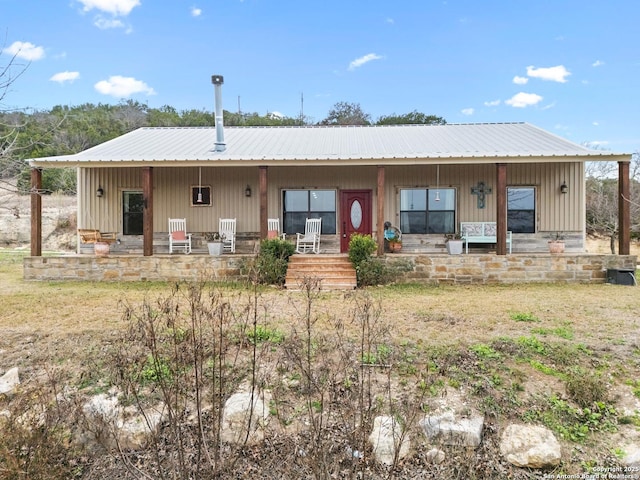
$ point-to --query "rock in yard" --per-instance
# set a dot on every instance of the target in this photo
(449, 430)
(387, 438)
(530, 446)
(238, 410)
(9, 381)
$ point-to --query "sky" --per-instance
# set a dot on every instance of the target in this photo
(571, 67)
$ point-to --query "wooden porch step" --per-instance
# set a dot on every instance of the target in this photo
(335, 272)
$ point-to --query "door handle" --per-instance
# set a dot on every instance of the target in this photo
(344, 229)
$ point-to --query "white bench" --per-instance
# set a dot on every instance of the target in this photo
(480, 232)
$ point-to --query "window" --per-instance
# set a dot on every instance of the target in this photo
(428, 210)
(200, 196)
(132, 213)
(298, 205)
(521, 209)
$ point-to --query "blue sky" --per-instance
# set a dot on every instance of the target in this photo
(571, 67)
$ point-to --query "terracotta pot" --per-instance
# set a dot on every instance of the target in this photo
(556, 246)
(395, 246)
(101, 249)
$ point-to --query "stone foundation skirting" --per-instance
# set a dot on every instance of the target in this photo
(517, 268)
(124, 268)
(434, 269)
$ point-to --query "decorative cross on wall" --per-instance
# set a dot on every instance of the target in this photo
(480, 190)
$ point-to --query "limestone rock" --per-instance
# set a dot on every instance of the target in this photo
(449, 430)
(238, 410)
(9, 381)
(111, 423)
(530, 446)
(631, 457)
(387, 438)
(435, 456)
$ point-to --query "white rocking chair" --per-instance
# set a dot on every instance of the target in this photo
(227, 231)
(309, 241)
(273, 229)
(178, 236)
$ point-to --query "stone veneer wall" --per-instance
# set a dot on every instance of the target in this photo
(445, 269)
(517, 268)
(123, 268)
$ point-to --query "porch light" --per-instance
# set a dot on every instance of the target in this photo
(563, 187)
(99, 192)
(199, 200)
(247, 191)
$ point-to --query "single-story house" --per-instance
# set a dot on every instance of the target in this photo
(426, 180)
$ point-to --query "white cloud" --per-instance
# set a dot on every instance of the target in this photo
(105, 23)
(595, 124)
(520, 80)
(492, 103)
(63, 77)
(554, 74)
(597, 63)
(467, 111)
(196, 12)
(114, 7)
(119, 87)
(521, 100)
(596, 144)
(25, 50)
(390, 21)
(358, 62)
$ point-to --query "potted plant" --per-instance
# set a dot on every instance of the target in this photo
(453, 242)
(556, 244)
(214, 242)
(392, 237)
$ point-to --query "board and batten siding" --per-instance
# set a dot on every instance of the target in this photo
(172, 189)
(554, 211)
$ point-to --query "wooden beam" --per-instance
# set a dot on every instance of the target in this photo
(380, 211)
(501, 209)
(147, 211)
(624, 209)
(264, 201)
(36, 212)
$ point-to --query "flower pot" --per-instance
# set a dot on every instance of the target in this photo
(454, 247)
(101, 249)
(395, 246)
(215, 248)
(556, 246)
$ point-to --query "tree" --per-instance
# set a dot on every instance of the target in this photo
(411, 118)
(345, 113)
(602, 199)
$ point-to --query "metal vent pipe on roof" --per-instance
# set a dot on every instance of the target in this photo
(217, 81)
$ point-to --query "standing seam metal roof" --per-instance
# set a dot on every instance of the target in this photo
(150, 144)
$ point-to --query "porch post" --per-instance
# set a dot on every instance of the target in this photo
(501, 209)
(264, 201)
(624, 209)
(380, 211)
(147, 211)
(36, 212)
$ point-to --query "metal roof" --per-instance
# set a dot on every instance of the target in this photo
(397, 144)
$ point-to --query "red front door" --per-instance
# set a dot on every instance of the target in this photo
(355, 215)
